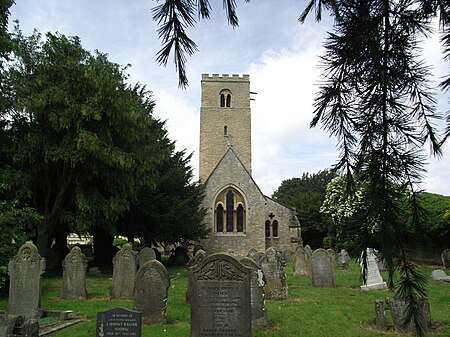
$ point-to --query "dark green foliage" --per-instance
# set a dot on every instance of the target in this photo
(306, 195)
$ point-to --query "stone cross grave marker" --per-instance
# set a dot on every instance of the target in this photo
(343, 259)
(302, 262)
(220, 305)
(124, 273)
(257, 295)
(273, 267)
(119, 322)
(25, 271)
(151, 290)
(146, 254)
(322, 271)
(74, 275)
(373, 280)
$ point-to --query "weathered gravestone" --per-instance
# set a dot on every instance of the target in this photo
(220, 305)
(195, 260)
(373, 279)
(124, 273)
(8, 323)
(25, 271)
(445, 256)
(74, 275)
(119, 322)
(332, 254)
(258, 257)
(146, 254)
(151, 290)
(343, 259)
(302, 262)
(322, 271)
(308, 250)
(398, 309)
(257, 295)
(273, 267)
(440, 275)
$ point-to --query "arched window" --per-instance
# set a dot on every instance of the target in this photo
(230, 212)
(228, 100)
(225, 130)
(267, 228)
(225, 98)
(275, 228)
(222, 100)
(219, 218)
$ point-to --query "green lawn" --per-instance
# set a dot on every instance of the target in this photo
(311, 312)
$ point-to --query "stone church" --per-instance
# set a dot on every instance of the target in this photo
(239, 214)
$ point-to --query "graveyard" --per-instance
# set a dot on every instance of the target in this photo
(341, 309)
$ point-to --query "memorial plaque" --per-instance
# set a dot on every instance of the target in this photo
(220, 305)
(119, 322)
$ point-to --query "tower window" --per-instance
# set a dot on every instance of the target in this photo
(225, 130)
(233, 215)
(222, 100)
(228, 100)
(225, 98)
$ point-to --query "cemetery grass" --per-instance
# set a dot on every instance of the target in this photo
(345, 311)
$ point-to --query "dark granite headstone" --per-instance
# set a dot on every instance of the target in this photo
(74, 275)
(445, 256)
(220, 305)
(146, 254)
(302, 262)
(25, 271)
(124, 273)
(151, 290)
(273, 267)
(322, 271)
(119, 322)
(257, 295)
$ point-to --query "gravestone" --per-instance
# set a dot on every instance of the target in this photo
(302, 262)
(445, 256)
(440, 275)
(308, 250)
(146, 254)
(119, 322)
(124, 273)
(398, 309)
(258, 257)
(343, 259)
(332, 254)
(373, 280)
(380, 315)
(288, 255)
(7, 324)
(181, 256)
(25, 271)
(273, 267)
(74, 275)
(196, 249)
(322, 271)
(220, 305)
(195, 260)
(151, 290)
(257, 295)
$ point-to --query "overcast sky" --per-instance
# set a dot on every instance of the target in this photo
(279, 54)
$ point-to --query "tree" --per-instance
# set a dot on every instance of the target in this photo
(306, 195)
(87, 140)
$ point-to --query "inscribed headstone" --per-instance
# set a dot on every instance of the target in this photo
(124, 273)
(343, 259)
(146, 254)
(322, 271)
(25, 271)
(440, 275)
(445, 256)
(74, 275)
(257, 295)
(398, 309)
(220, 298)
(373, 280)
(302, 262)
(151, 290)
(119, 322)
(273, 267)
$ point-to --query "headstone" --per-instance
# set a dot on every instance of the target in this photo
(440, 275)
(322, 271)
(181, 256)
(380, 315)
(124, 273)
(151, 290)
(308, 250)
(257, 295)
(288, 255)
(258, 257)
(373, 280)
(119, 322)
(343, 259)
(146, 254)
(30, 328)
(273, 267)
(25, 271)
(332, 254)
(74, 275)
(7, 324)
(302, 262)
(196, 249)
(220, 303)
(398, 308)
(445, 256)
(195, 260)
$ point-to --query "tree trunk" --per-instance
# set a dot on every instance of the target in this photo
(104, 250)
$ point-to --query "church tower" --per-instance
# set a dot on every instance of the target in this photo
(225, 120)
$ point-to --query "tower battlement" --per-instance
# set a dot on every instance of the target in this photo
(225, 77)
